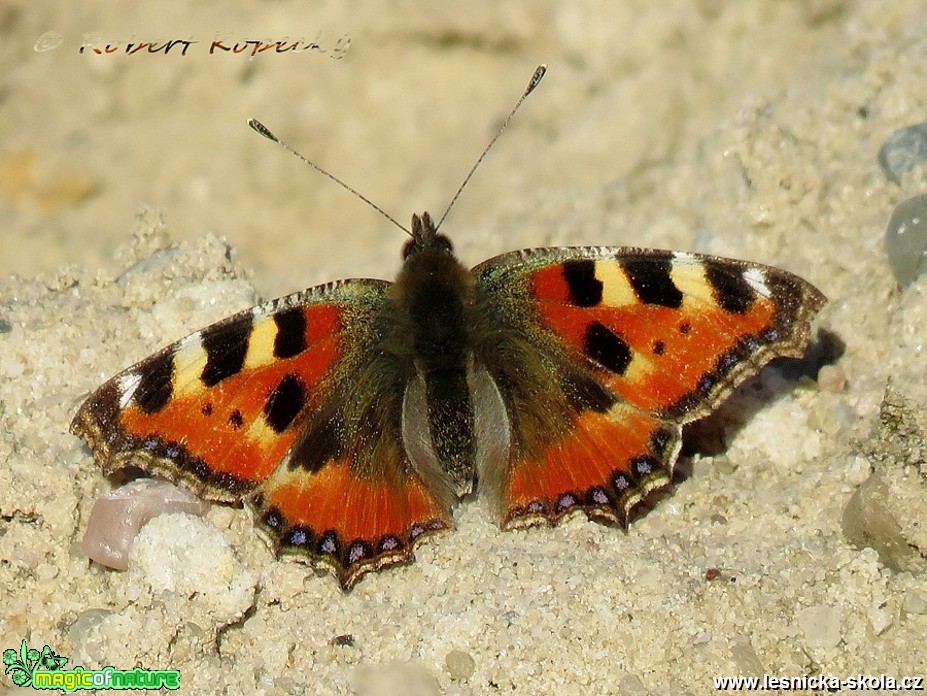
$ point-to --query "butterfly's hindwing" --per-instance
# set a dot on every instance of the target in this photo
(348, 493)
(604, 463)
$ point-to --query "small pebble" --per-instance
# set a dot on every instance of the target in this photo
(904, 150)
(832, 379)
(45, 572)
(745, 657)
(913, 603)
(881, 619)
(407, 678)
(906, 240)
(821, 626)
(631, 685)
(85, 623)
(460, 665)
(183, 555)
(869, 521)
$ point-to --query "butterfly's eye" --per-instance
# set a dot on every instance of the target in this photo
(444, 243)
(408, 249)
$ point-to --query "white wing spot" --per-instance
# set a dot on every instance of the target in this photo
(188, 344)
(756, 279)
(128, 383)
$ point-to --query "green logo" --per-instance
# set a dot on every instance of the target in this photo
(26, 663)
(44, 670)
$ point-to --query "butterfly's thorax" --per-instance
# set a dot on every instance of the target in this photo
(433, 294)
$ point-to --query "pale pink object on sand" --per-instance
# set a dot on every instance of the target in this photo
(117, 517)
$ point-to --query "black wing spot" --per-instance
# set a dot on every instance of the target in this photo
(236, 420)
(607, 349)
(156, 384)
(321, 442)
(659, 347)
(285, 403)
(291, 333)
(650, 278)
(729, 289)
(585, 288)
(226, 345)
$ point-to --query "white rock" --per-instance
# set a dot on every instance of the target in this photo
(914, 603)
(821, 626)
(182, 554)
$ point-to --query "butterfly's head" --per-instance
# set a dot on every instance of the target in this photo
(425, 237)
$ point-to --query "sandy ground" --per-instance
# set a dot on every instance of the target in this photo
(743, 129)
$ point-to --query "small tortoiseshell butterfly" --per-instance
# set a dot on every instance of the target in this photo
(351, 416)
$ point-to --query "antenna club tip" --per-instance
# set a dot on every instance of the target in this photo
(539, 73)
(260, 128)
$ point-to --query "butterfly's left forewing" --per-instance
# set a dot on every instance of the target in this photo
(602, 354)
(220, 408)
(279, 405)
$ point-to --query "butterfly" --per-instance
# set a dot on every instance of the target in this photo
(352, 416)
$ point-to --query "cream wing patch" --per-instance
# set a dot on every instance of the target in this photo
(190, 360)
(616, 288)
(261, 343)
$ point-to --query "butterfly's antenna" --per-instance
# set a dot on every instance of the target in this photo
(534, 82)
(267, 133)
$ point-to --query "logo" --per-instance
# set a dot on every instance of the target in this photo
(45, 670)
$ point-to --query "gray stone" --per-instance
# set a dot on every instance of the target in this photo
(904, 150)
(906, 240)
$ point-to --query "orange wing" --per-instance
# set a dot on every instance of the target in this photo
(240, 410)
(608, 353)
